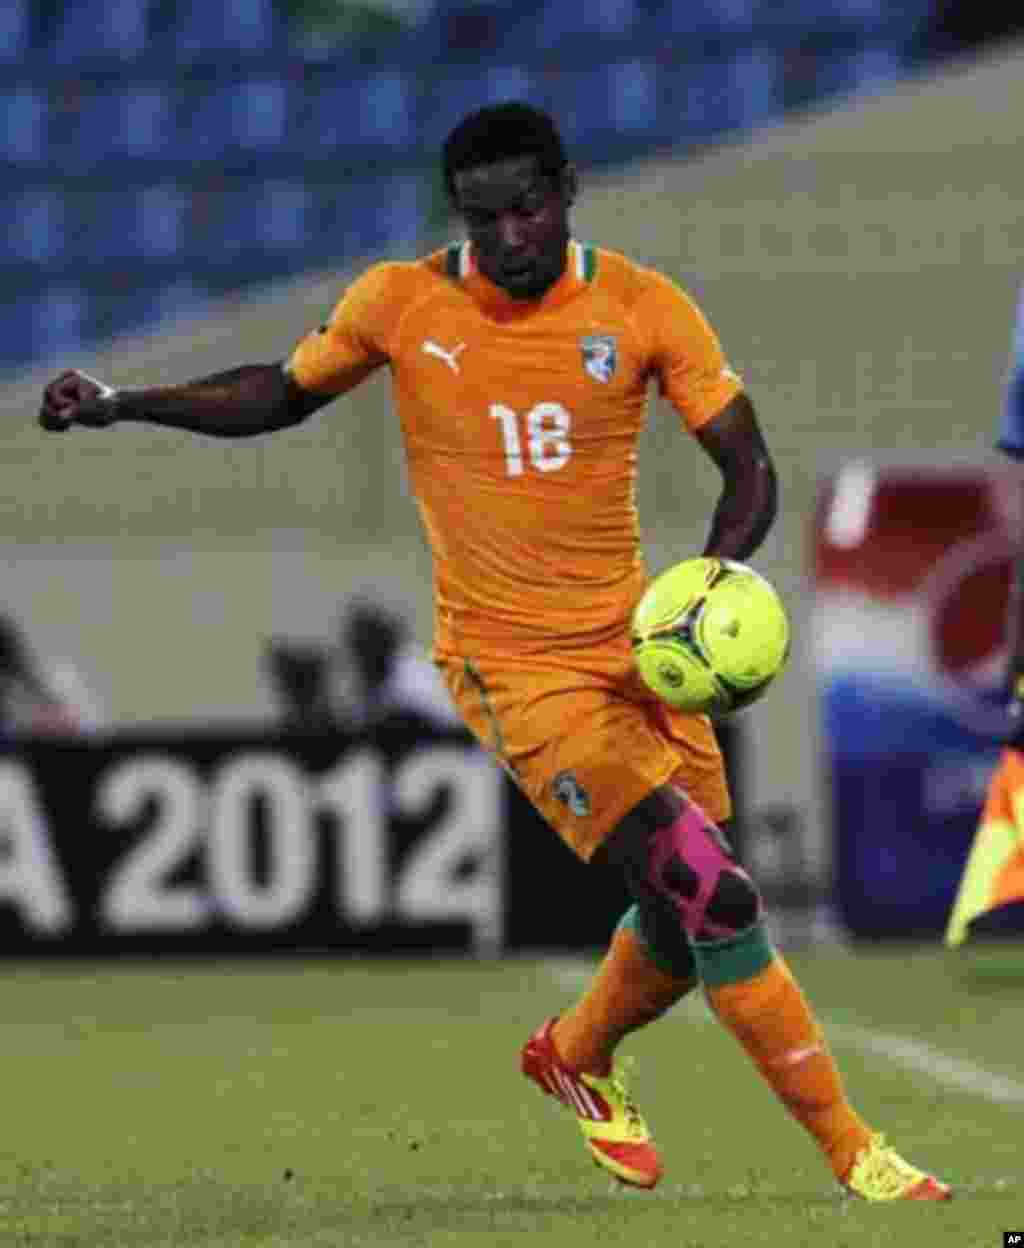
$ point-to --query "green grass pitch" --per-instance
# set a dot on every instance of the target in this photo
(373, 1104)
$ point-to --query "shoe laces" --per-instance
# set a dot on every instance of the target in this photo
(883, 1170)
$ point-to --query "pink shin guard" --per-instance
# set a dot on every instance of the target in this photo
(688, 866)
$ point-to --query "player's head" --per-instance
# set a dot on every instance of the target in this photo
(506, 172)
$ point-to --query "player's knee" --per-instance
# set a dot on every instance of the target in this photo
(734, 904)
(666, 847)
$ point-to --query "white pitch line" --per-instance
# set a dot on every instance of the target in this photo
(952, 1072)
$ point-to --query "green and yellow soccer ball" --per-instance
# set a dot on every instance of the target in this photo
(709, 635)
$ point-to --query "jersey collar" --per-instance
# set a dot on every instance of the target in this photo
(580, 270)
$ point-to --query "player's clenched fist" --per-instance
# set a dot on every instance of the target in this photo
(75, 398)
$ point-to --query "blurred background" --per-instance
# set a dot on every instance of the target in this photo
(188, 184)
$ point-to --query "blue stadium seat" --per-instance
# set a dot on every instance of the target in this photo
(634, 95)
(821, 20)
(579, 100)
(17, 341)
(179, 300)
(376, 113)
(705, 20)
(136, 122)
(249, 229)
(161, 212)
(873, 19)
(560, 24)
(852, 69)
(134, 226)
(275, 216)
(362, 219)
(23, 117)
(56, 321)
(607, 107)
(447, 95)
(508, 82)
(237, 118)
(15, 31)
(713, 98)
(33, 228)
(92, 30)
(213, 28)
(142, 308)
(754, 88)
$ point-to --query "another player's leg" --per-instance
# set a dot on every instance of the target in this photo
(667, 848)
(572, 1057)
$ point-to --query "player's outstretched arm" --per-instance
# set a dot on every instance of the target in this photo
(251, 399)
(749, 499)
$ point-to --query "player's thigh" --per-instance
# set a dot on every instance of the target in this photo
(701, 770)
(584, 752)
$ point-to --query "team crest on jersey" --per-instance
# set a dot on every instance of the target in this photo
(568, 790)
(599, 356)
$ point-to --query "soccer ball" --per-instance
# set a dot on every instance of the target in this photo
(709, 635)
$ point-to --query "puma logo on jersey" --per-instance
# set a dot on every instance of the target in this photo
(450, 357)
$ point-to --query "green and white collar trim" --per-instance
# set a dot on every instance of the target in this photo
(582, 259)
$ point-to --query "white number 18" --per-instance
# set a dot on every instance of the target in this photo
(547, 437)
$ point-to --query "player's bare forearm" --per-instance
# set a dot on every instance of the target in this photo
(241, 402)
(251, 399)
(742, 518)
(748, 504)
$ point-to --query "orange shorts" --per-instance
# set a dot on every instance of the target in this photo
(583, 737)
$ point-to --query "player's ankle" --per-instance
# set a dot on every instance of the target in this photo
(581, 1054)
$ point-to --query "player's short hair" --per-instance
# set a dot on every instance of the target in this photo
(502, 132)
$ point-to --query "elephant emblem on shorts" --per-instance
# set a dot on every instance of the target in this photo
(568, 789)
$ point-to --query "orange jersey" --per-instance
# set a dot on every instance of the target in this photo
(521, 422)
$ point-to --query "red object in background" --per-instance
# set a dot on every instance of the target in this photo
(915, 515)
(933, 538)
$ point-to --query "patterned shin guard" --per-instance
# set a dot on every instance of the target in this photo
(689, 864)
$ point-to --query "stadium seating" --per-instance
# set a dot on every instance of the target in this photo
(55, 320)
(559, 23)
(446, 95)
(185, 147)
(855, 68)
(15, 31)
(130, 123)
(710, 98)
(233, 119)
(211, 29)
(33, 226)
(340, 118)
(722, 21)
(23, 115)
(100, 30)
(125, 311)
(365, 215)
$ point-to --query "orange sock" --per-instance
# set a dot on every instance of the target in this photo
(770, 1017)
(627, 992)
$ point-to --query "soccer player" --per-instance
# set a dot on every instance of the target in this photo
(991, 893)
(520, 361)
